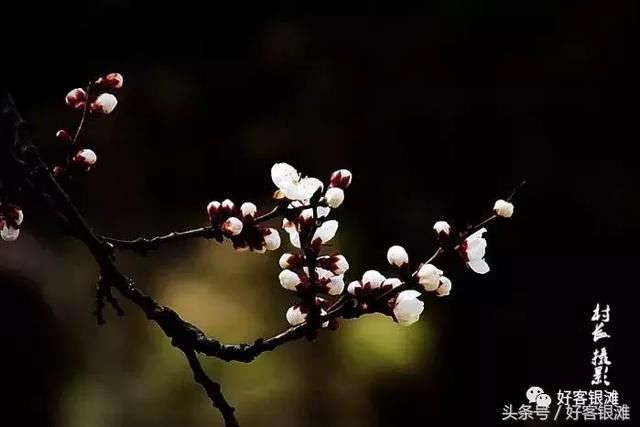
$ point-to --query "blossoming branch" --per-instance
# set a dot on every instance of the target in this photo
(303, 209)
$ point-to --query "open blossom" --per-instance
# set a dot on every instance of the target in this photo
(442, 228)
(429, 277)
(397, 255)
(444, 288)
(291, 184)
(334, 197)
(407, 308)
(503, 208)
(104, 104)
(472, 251)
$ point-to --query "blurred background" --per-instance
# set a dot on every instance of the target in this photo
(438, 111)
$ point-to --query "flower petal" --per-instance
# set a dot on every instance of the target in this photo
(284, 175)
(480, 266)
(326, 231)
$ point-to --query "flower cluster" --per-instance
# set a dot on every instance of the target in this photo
(308, 273)
(93, 100)
(238, 225)
(11, 217)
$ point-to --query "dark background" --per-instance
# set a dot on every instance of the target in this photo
(437, 111)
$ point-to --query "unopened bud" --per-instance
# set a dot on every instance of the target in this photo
(76, 98)
(340, 179)
(104, 104)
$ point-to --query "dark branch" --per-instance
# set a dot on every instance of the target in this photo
(212, 388)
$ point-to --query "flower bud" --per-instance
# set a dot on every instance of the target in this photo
(354, 287)
(373, 278)
(429, 277)
(76, 98)
(391, 282)
(232, 226)
(213, 209)
(340, 179)
(295, 316)
(58, 171)
(104, 104)
(397, 255)
(503, 208)
(271, 239)
(335, 285)
(111, 81)
(63, 136)
(248, 209)
(289, 280)
(85, 158)
(289, 260)
(407, 308)
(444, 288)
(334, 197)
(325, 232)
(337, 264)
(442, 229)
(227, 205)
(9, 233)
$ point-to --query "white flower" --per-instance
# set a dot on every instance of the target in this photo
(105, 103)
(8, 233)
(503, 208)
(429, 277)
(473, 249)
(442, 227)
(213, 208)
(295, 316)
(373, 278)
(248, 209)
(325, 232)
(444, 288)
(85, 158)
(408, 308)
(397, 255)
(290, 183)
(340, 178)
(271, 239)
(233, 226)
(289, 280)
(334, 197)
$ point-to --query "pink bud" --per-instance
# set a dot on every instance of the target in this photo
(63, 136)
(58, 171)
(111, 81)
(340, 179)
(85, 159)
(104, 104)
(76, 98)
